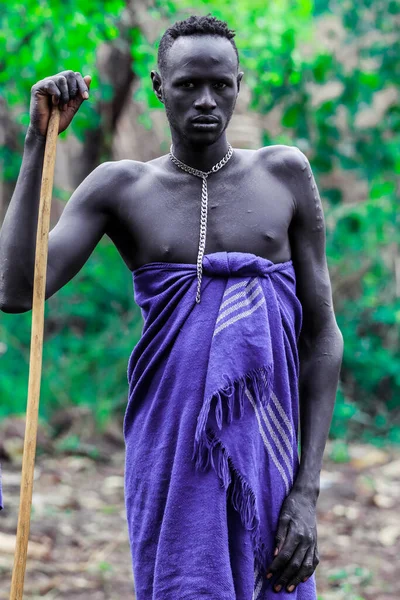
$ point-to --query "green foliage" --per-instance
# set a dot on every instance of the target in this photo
(38, 39)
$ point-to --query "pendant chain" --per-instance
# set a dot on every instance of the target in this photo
(204, 205)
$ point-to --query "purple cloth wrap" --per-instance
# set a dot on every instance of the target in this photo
(211, 427)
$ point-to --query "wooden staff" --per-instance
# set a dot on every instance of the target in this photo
(35, 361)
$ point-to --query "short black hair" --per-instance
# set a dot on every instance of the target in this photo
(193, 25)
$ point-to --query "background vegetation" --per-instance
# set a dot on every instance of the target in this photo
(323, 76)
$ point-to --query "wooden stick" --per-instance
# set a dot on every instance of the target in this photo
(35, 362)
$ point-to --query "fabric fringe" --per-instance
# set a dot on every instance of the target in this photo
(258, 380)
(208, 450)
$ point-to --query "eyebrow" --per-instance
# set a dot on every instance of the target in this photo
(191, 77)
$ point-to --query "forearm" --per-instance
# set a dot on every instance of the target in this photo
(18, 232)
(320, 362)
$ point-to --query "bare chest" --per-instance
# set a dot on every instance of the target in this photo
(249, 210)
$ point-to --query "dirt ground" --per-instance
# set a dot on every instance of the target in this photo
(79, 545)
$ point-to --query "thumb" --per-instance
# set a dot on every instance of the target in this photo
(87, 79)
(281, 534)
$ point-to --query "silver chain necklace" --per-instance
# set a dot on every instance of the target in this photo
(204, 205)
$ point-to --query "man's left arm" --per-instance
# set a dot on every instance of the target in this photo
(320, 349)
(321, 342)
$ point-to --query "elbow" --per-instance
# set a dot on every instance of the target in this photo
(327, 340)
(14, 309)
(340, 343)
(14, 306)
(13, 300)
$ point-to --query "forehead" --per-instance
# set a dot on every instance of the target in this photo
(198, 53)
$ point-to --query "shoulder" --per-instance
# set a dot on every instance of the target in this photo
(292, 166)
(109, 180)
(284, 158)
(118, 171)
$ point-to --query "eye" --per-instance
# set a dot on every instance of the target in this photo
(186, 84)
(221, 83)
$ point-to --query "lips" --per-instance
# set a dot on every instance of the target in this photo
(205, 119)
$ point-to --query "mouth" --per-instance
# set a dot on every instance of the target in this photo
(205, 120)
(209, 126)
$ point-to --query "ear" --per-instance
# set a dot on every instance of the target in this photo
(157, 85)
(239, 79)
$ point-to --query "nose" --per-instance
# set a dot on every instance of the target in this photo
(205, 101)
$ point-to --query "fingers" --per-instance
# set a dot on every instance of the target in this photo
(299, 567)
(289, 552)
(285, 553)
(52, 89)
(64, 87)
(295, 563)
(72, 83)
(83, 84)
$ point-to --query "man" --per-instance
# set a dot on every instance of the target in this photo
(191, 537)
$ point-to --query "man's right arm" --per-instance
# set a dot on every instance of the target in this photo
(78, 231)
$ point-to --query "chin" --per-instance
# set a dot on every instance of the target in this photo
(202, 138)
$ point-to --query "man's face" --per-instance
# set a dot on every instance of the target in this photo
(202, 81)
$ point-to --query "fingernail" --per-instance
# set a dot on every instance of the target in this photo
(269, 575)
(291, 588)
(304, 580)
(276, 551)
(278, 588)
(85, 95)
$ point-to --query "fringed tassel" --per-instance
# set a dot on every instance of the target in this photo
(244, 502)
(240, 494)
(209, 450)
(258, 380)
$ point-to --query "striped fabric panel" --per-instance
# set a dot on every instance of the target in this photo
(248, 287)
(239, 302)
(258, 582)
(241, 315)
(268, 446)
(281, 431)
(288, 442)
(277, 441)
(232, 288)
(281, 412)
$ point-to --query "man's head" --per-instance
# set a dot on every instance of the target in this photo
(199, 77)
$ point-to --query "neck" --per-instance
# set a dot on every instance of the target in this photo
(199, 157)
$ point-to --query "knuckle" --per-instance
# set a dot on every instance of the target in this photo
(285, 556)
(308, 569)
(296, 565)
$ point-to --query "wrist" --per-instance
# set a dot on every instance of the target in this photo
(308, 489)
(33, 136)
